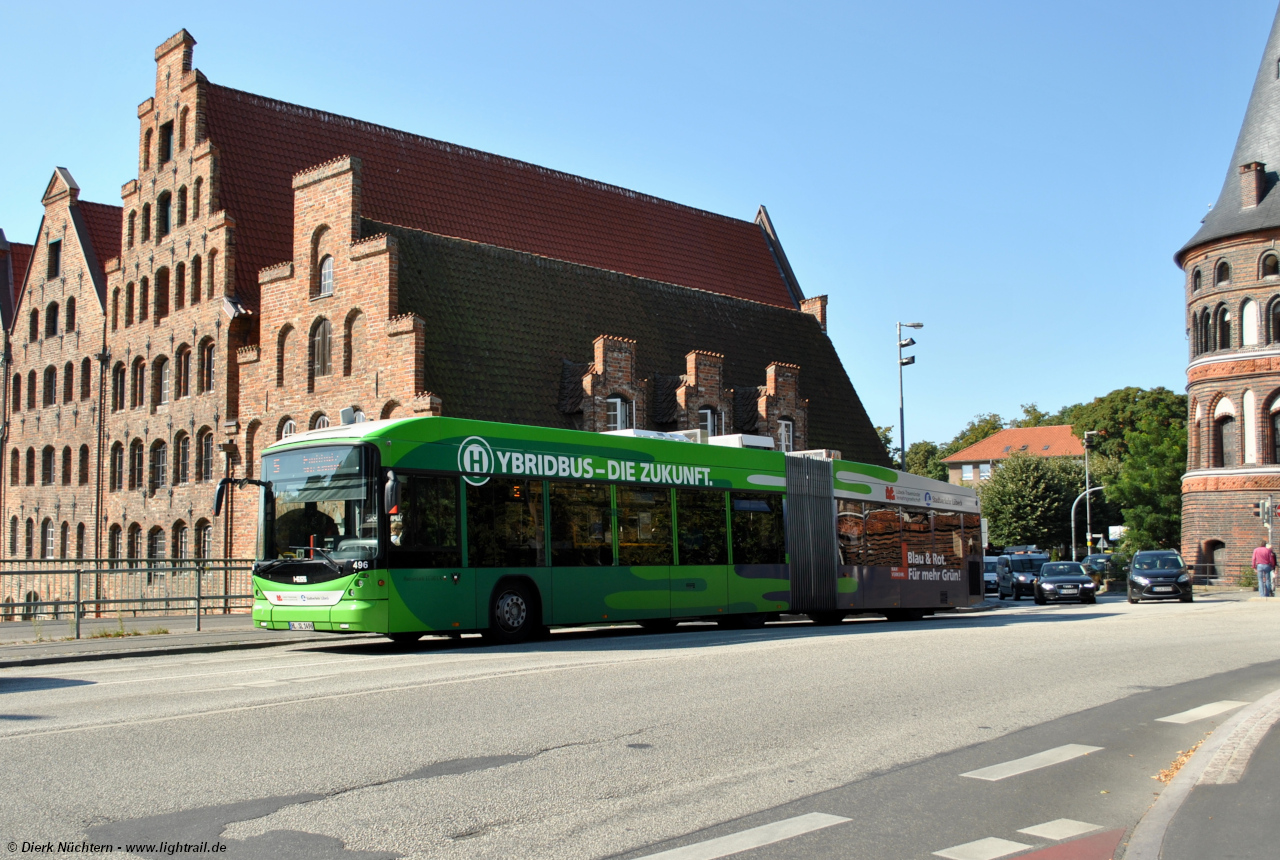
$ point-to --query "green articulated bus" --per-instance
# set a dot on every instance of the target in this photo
(443, 526)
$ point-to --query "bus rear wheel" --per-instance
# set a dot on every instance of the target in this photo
(513, 614)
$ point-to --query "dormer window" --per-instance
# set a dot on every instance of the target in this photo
(326, 276)
(618, 413)
(166, 143)
(55, 259)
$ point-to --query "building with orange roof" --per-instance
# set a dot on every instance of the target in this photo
(978, 460)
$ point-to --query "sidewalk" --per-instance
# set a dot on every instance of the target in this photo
(1222, 803)
(19, 645)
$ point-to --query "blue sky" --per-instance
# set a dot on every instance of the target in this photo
(1017, 176)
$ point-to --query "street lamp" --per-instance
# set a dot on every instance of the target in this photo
(1088, 509)
(902, 414)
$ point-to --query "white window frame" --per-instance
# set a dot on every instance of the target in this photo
(326, 276)
(966, 472)
(619, 413)
(786, 434)
(984, 472)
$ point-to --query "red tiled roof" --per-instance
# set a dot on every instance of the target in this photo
(449, 190)
(20, 255)
(105, 225)
(1054, 441)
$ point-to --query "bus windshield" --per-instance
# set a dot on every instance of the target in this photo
(320, 497)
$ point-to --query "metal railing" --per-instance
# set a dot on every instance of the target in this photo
(53, 589)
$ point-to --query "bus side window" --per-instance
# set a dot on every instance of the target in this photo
(884, 537)
(504, 524)
(701, 526)
(424, 528)
(644, 526)
(850, 531)
(758, 532)
(581, 525)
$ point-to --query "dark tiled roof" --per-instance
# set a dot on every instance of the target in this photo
(1259, 141)
(746, 417)
(503, 324)
(665, 408)
(453, 191)
(19, 261)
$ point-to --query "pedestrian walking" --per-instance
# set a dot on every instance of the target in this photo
(1264, 561)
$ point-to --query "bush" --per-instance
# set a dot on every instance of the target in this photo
(1248, 578)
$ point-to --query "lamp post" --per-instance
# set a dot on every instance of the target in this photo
(1088, 509)
(1085, 496)
(902, 413)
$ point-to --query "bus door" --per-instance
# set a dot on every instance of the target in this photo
(700, 581)
(435, 591)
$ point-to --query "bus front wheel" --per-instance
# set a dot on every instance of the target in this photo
(513, 614)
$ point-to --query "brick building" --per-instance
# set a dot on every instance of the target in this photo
(1232, 291)
(272, 265)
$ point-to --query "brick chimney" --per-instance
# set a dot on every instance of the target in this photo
(1253, 184)
(818, 307)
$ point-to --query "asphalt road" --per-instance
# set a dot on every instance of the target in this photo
(867, 740)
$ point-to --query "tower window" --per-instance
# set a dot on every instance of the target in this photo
(1195, 280)
(1270, 266)
(1223, 273)
(166, 142)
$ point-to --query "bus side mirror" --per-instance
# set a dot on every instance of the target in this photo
(219, 495)
(391, 494)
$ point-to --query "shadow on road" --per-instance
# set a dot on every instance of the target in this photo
(31, 685)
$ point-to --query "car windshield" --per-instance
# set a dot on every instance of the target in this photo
(989, 567)
(318, 497)
(1062, 568)
(1026, 564)
(1157, 562)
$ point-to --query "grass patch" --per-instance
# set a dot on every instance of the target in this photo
(157, 631)
(113, 633)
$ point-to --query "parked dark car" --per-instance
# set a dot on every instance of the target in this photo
(1159, 574)
(989, 579)
(1016, 573)
(1063, 581)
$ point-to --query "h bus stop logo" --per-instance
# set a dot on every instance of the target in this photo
(475, 455)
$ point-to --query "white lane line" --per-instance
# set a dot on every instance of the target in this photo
(1057, 755)
(1059, 829)
(1203, 712)
(983, 849)
(753, 838)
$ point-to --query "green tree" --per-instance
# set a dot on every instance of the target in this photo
(1115, 414)
(1148, 485)
(886, 439)
(1028, 500)
(974, 432)
(923, 459)
(1033, 416)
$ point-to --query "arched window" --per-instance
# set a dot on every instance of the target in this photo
(1195, 280)
(326, 276)
(619, 413)
(33, 326)
(115, 309)
(146, 150)
(195, 198)
(321, 349)
(182, 129)
(46, 465)
(17, 392)
(49, 395)
(319, 422)
(287, 428)
(114, 541)
(80, 540)
(182, 373)
(133, 547)
(162, 294)
(195, 280)
(213, 274)
(1206, 328)
(1222, 275)
(15, 467)
(1271, 266)
(204, 539)
(68, 382)
(181, 458)
(31, 389)
(71, 315)
(1249, 323)
(359, 417)
(64, 542)
(144, 300)
(352, 337)
(161, 382)
(82, 476)
(30, 537)
(13, 536)
(181, 213)
(138, 384)
(129, 233)
(31, 467)
(164, 214)
(282, 354)
(1275, 437)
(1226, 442)
(180, 286)
(146, 222)
(137, 465)
(66, 466)
(86, 378)
(1223, 326)
(206, 367)
(117, 387)
(159, 464)
(181, 548)
(128, 304)
(115, 475)
(46, 538)
(51, 320)
(204, 456)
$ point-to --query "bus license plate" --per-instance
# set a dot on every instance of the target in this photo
(302, 625)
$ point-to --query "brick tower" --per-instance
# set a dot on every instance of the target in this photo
(1232, 286)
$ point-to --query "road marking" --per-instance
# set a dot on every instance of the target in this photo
(983, 849)
(1057, 755)
(1059, 829)
(753, 838)
(1203, 712)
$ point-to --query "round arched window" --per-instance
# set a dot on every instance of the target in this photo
(288, 429)
(1270, 266)
(326, 276)
(1223, 274)
(322, 421)
(1195, 280)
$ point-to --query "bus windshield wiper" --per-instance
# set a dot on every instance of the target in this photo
(326, 557)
